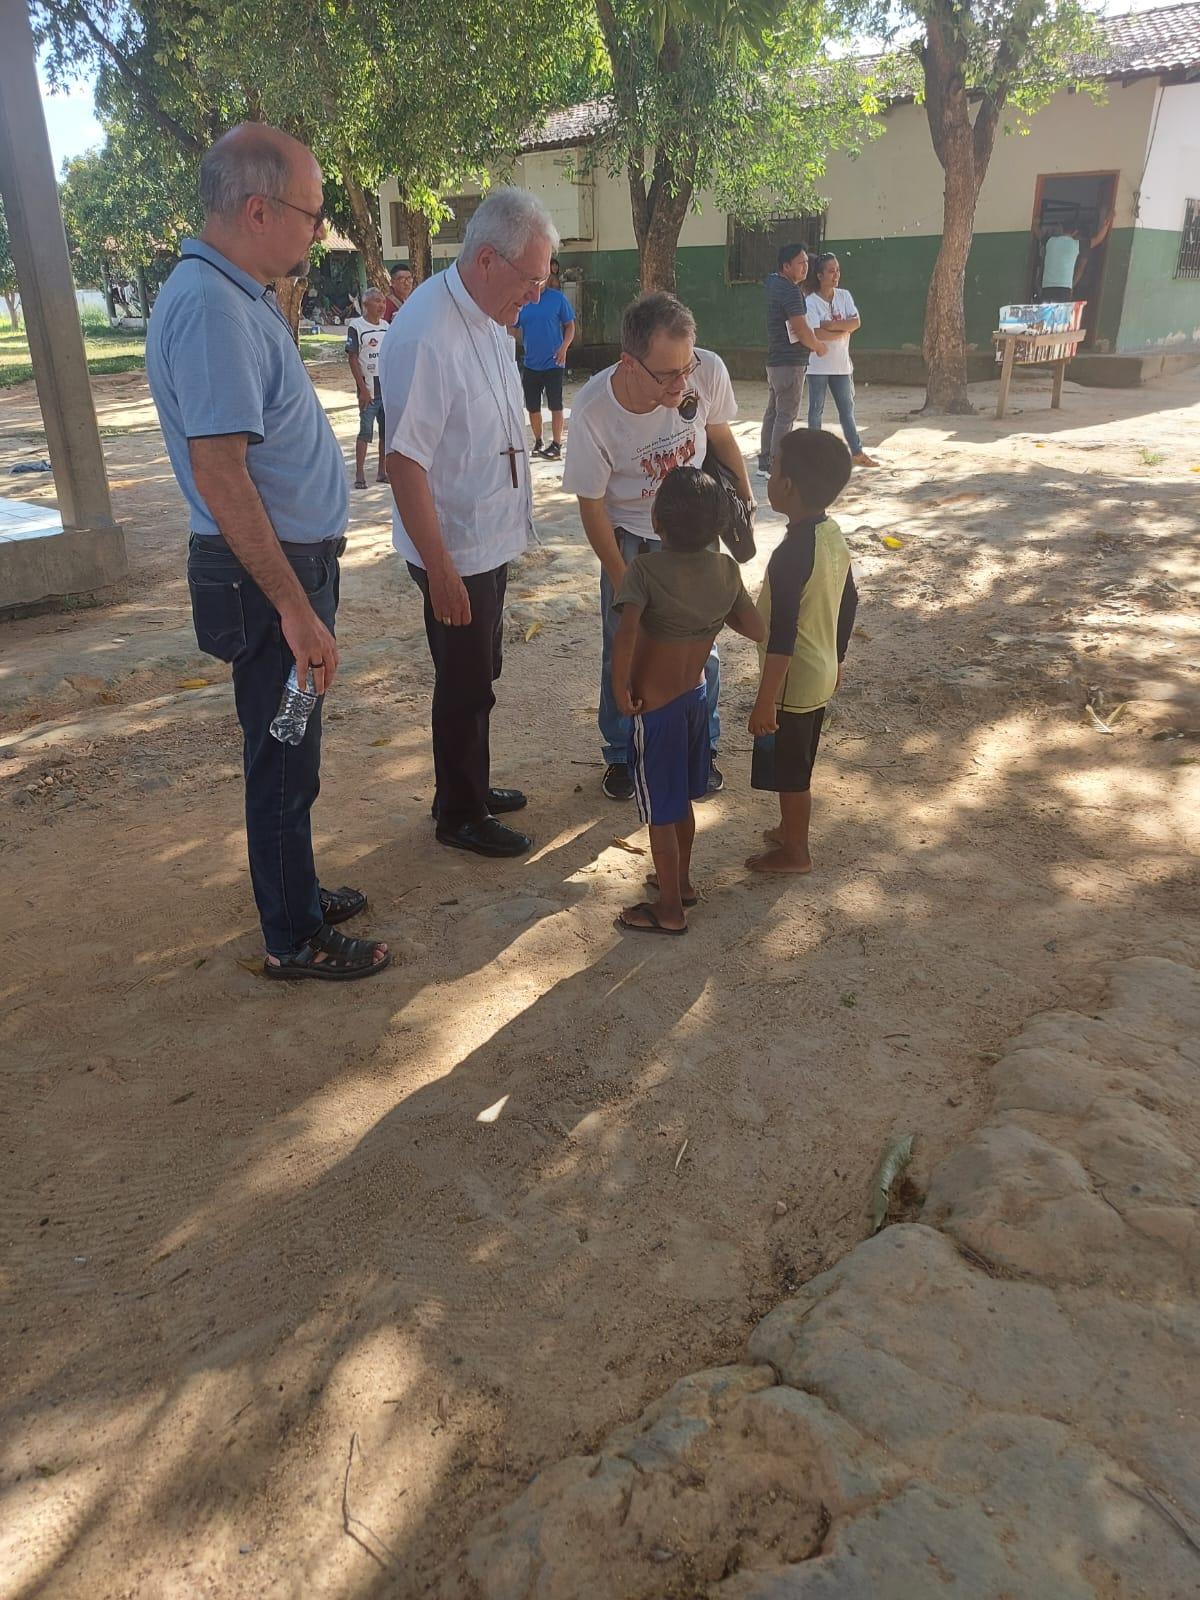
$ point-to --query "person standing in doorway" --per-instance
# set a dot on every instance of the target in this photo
(790, 342)
(664, 404)
(547, 327)
(364, 335)
(399, 291)
(459, 472)
(833, 316)
(263, 477)
(1062, 261)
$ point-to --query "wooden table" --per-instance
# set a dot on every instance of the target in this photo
(1050, 349)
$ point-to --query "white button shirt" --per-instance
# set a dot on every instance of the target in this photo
(453, 404)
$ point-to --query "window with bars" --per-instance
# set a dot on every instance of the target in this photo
(1188, 265)
(753, 251)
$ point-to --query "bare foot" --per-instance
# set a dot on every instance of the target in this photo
(862, 459)
(780, 860)
(652, 918)
(773, 835)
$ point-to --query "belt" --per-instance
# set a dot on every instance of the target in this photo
(323, 547)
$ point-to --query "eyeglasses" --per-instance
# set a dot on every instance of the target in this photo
(666, 379)
(534, 283)
(317, 218)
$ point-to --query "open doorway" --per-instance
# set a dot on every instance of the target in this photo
(1078, 204)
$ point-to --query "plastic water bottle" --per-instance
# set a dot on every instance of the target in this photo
(291, 720)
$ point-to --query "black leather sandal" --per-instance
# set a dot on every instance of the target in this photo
(339, 905)
(341, 959)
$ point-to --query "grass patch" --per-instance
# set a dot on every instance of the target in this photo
(110, 350)
(107, 350)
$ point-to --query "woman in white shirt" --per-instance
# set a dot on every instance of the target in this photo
(833, 316)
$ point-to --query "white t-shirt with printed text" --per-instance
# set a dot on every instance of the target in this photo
(621, 457)
(363, 339)
(840, 309)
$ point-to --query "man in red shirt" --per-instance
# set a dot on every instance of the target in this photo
(402, 287)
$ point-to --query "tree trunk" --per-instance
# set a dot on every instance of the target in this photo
(143, 290)
(420, 243)
(106, 282)
(658, 211)
(660, 248)
(944, 344)
(948, 110)
(289, 295)
(364, 227)
(12, 300)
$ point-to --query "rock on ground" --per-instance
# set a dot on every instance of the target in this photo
(998, 1402)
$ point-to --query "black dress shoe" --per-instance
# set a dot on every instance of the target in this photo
(502, 800)
(499, 801)
(486, 838)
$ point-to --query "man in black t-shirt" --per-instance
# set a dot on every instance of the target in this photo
(789, 340)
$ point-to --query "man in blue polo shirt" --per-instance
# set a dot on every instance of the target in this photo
(265, 485)
(547, 328)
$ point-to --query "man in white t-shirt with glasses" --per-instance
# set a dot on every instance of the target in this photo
(662, 405)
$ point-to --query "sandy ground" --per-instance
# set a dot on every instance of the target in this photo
(450, 1214)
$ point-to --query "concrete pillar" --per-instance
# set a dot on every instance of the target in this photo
(39, 248)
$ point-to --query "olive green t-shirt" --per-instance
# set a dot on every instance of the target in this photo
(683, 594)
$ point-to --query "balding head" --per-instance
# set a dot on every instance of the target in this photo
(263, 202)
(253, 159)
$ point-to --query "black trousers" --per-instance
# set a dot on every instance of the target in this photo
(466, 662)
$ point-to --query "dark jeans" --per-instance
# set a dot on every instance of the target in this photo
(237, 623)
(466, 662)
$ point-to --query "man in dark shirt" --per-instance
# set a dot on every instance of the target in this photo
(789, 340)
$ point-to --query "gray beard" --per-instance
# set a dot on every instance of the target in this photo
(300, 270)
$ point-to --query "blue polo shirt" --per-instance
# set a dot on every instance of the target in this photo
(221, 359)
(543, 323)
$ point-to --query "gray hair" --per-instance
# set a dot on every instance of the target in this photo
(509, 220)
(240, 164)
(651, 313)
(373, 294)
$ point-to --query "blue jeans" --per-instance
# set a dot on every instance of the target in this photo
(841, 386)
(614, 728)
(235, 622)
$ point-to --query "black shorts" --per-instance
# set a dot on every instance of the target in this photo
(783, 761)
(1056, 294)
(534, 382)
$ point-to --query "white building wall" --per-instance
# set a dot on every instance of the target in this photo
(1172, 157)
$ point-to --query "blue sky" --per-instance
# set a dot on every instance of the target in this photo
(71, 121)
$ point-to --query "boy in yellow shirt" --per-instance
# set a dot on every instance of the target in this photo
(808, 603)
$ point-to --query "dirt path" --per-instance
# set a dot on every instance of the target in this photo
(446, 1211)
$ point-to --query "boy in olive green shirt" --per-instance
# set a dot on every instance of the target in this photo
(808, 603)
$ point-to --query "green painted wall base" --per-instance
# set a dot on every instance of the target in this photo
(889, 279)
(1162, 312)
